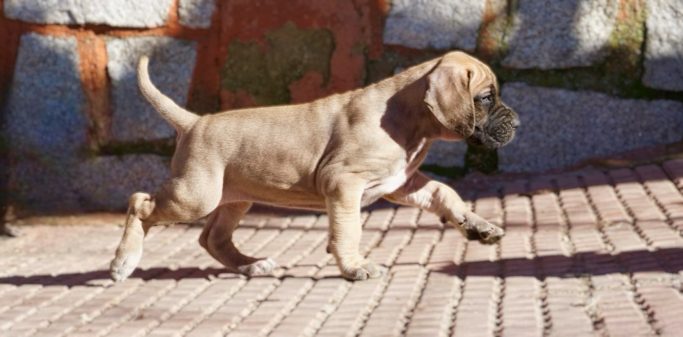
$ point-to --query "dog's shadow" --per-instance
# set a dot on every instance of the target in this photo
(562, 266)
(665, 260)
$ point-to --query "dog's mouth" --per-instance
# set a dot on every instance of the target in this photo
(497, 131)
(491, 138)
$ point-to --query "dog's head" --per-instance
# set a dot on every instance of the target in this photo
(462, 94)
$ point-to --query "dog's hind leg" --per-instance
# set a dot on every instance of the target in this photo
(129, 251)
(216, 238)
(179, 199)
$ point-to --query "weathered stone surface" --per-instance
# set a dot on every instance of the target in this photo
(267, 77)
(117, 13)
(45, 112)
(336, 34)
(196, 13)
(171, 65)
(664, 47)
(561, 127)
(440, 24)
(105, 183)
(86, 184)
(447, 154)
(45, 119)
(560, 34)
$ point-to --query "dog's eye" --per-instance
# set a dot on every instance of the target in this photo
(488, 99)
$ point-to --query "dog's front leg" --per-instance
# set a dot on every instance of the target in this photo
(343, 208)
(440, 199)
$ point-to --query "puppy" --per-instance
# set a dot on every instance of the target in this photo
(336, 154)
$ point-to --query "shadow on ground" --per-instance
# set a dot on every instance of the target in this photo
(588, 263)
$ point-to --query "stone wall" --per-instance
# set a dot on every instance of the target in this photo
(588, 78)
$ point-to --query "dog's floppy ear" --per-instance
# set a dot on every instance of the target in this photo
(449, 98)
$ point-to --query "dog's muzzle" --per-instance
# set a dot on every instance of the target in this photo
(498, 130)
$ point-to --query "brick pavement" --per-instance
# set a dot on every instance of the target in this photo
(587, 253)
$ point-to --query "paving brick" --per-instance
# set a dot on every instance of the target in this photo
(303, 221)
(634, 196)
(476, 312)
(521, 305)
(674, 169)
(405, 217)
(667, 305)
(575, 204)
(567, 304)
(127, 309)
(397, 302)
(54, 310)
(277, 305)
(615, 303)
(448, 250)
(390, 246)
(605, 199)
(518, 212)
(419, 248)
(429, 220)
(547, 210)
(481, 292)
(433, 314)
(281, 222)
(379, 219)
(664, 192)
(161, 310)
(490, 208)
(315, 307)
(231, 312)
(516, 254)
(302, 248)
(354, 309)
(43, 296)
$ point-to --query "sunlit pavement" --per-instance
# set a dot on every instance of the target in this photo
(589, 252)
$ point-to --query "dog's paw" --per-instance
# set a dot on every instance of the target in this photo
(9, 231)
(476, 228)
(366, 271)
(258, 268)
(121, 268)
(491, 235)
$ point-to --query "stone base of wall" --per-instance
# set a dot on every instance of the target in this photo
(563, 127)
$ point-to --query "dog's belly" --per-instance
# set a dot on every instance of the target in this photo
(303, 199)
(289, 198)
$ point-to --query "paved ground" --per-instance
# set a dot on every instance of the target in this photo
(586, 253)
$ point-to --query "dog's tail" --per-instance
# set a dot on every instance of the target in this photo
(181, 119)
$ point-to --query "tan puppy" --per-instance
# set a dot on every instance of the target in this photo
(337, 154)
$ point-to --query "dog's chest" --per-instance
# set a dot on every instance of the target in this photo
(392, 182)
(384, 186)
